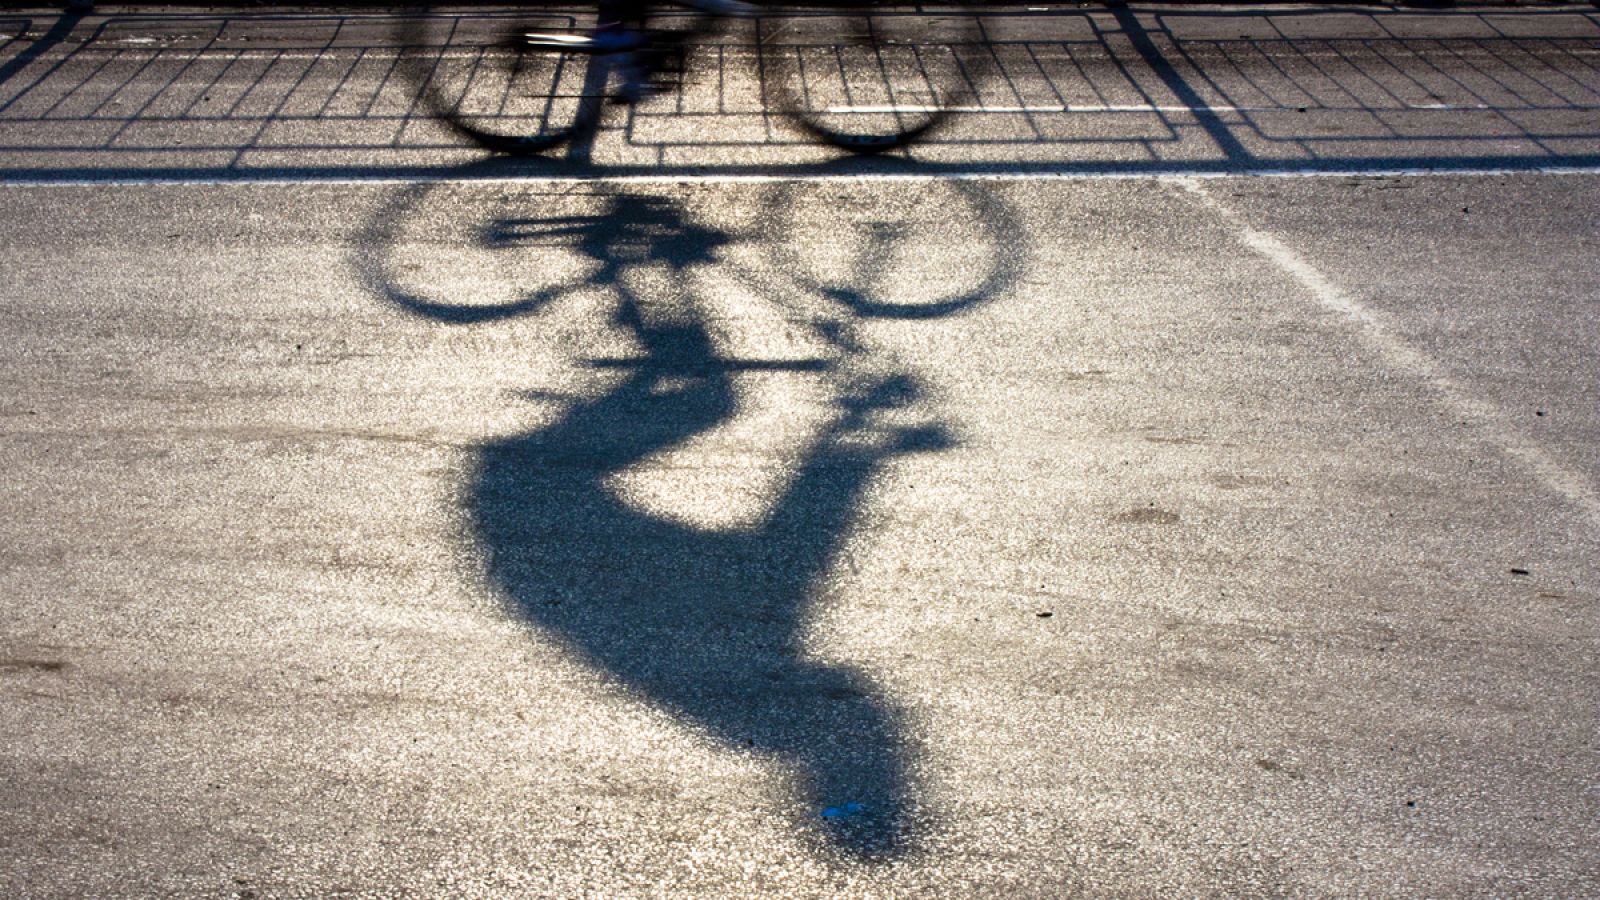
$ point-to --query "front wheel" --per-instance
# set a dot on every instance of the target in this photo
(512, 84)
(868, 81)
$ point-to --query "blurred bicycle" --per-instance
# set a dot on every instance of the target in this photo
(862, 80)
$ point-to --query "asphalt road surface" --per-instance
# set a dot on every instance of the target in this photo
(1177, 477)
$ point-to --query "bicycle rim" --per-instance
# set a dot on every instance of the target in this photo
(864, 81)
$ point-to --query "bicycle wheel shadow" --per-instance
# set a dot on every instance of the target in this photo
(705, 623)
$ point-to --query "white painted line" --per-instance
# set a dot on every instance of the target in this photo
(598, 176)
(1149, 108)
(1409, 360)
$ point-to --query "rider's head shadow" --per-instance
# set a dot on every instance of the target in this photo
(708, 623)
(618, 232)
(625, 230)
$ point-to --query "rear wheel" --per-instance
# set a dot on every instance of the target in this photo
(868, 81)
(518, 85)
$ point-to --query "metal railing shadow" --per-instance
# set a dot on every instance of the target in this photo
(16, 31)
(1085, 91)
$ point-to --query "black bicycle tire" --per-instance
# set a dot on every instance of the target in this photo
(785, 83)
(424, 58)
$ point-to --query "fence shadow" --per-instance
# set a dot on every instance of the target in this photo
(1063, 91)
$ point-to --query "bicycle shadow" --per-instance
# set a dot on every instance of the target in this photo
(200, 95)
(704, 622)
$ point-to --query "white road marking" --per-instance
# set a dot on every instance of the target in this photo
(1148, 108)
(596, 175)
(1406, 358)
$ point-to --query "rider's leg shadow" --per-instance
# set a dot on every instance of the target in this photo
(706, 623)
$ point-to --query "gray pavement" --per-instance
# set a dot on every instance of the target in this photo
(1055, 510)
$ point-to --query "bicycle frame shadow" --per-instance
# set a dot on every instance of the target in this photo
(705, 623)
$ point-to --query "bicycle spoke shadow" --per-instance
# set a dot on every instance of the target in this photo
(707, 623)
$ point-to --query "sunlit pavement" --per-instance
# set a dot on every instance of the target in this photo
(1177, 477)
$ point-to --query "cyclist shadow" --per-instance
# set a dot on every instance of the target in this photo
(704, 622)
